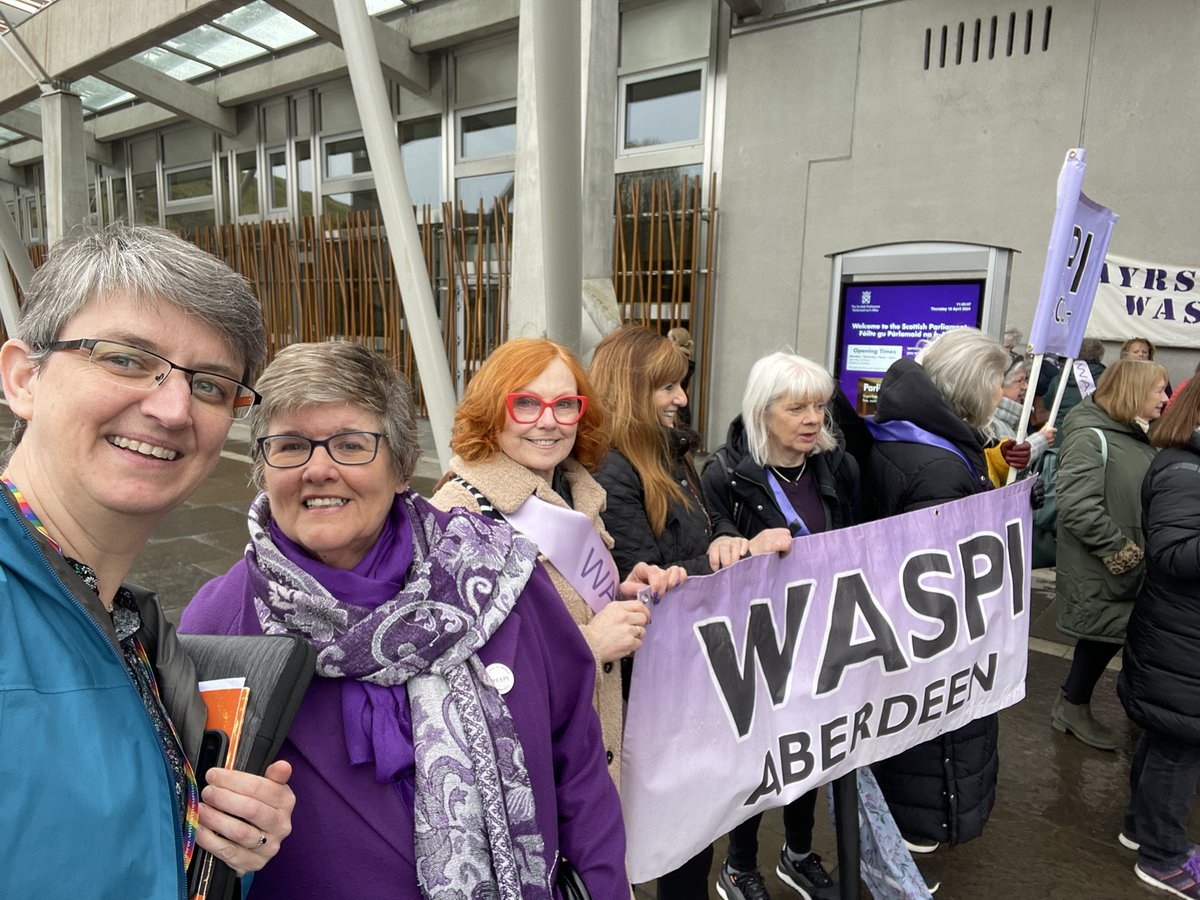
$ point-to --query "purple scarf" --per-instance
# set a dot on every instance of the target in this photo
(375, 719)
(425, 599)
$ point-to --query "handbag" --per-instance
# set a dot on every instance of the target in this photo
(570, 884)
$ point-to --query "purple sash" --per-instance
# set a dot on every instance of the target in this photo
(785, 507)
(569, 540)
(911, 433)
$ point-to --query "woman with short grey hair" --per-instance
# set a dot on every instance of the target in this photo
(1007, 416)
(336, 372)
(145, 267)
(132, 358)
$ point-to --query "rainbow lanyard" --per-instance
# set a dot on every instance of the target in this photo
(27, 511)
(192, 816)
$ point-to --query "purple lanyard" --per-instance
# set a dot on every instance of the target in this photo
(911, 433)
(799, 529)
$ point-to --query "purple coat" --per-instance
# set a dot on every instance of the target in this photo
(352, 836)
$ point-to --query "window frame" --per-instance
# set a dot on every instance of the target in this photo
(459, 132)
(624, 82)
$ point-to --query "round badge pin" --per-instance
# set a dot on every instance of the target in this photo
(501, 676)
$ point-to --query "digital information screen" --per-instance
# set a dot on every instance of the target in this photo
(879, 322)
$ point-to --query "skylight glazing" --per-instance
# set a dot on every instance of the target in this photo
(163, 60)
(213, 46)
(261, 22)
(97, 95)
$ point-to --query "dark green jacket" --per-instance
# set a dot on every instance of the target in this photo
(1099, 510)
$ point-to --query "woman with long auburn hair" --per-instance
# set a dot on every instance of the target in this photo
(656, 510)
(527, 435)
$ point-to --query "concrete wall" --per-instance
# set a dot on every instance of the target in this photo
(836, 137)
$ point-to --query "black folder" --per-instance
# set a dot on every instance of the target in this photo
(277, 669)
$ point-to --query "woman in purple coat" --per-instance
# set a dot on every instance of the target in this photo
(448, 746)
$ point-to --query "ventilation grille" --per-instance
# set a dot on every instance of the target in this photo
(1015, 34)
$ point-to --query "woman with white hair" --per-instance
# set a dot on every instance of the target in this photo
(781, 467)
(929, 450)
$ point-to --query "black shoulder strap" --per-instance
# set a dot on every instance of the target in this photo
(722, 453)
(485, 505)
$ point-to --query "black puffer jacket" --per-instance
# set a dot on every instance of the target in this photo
(1160, 677)
(687, 533)
(904, 476)
(943, 789)
(741, 499)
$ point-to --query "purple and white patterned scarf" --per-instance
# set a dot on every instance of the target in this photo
(475, 826)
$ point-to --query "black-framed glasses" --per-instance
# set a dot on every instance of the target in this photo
(350, 448)
(526, 409)
(142, 370)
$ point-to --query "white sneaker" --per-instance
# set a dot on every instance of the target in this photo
(920, 845)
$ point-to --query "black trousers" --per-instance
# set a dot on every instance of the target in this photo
(1162, 787)
(797, 826)
(1086, 668)
(689, 881)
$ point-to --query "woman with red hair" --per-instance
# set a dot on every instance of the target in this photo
(527, 435)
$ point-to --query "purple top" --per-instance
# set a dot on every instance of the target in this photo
(352, 833)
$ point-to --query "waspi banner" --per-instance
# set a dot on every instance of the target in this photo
(1159, 301)
(761, 682)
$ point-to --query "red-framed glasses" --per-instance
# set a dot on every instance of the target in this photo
(525, 409)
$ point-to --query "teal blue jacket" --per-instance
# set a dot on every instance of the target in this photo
(87, 806)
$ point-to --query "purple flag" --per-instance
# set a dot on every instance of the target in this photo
(1078, 241)
(779, 674)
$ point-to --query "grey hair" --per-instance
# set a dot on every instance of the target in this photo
(965, 364)
(145, 265)
(1013, 336)
(782, 377)
(1016, 366)
(1091, 350)
(333, 372)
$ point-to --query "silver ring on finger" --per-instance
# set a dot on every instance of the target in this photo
(262, 839)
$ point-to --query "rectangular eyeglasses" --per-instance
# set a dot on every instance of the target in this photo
(288, 451)
(142, 370)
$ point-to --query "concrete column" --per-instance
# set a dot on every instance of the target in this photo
(547, 267)
(395, 201)
(600, 44)
(65, 162)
